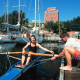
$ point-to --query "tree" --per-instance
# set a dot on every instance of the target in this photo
(0, 22)
(72, 25)
(50, 26)
(13, 17)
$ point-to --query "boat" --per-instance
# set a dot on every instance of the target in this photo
(20, 38)
(14, 73)
(9, 47)
(7, 39)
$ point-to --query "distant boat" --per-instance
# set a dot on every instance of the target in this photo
(10, 36)
(7, 39)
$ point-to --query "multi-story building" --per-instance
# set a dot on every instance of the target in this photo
(51, 15)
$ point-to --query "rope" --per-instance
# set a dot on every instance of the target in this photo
(43, 61)
(15, 58)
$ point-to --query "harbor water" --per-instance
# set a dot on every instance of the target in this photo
(44, 70)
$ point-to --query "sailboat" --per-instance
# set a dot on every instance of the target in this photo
(13, 31)
(35, 30)
(20, 39)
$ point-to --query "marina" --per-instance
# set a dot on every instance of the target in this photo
(45, 69)
(39, 40)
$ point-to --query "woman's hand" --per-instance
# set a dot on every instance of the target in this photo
(23, 52)
(52, 52)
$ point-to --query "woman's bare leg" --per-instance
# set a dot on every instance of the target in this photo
(28, 59)
(23, 57)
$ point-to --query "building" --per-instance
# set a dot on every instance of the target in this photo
(37, 23)
(51, 15)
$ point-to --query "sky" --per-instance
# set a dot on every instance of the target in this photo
(68, 9)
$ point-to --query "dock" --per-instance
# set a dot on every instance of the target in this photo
(51, 38)
(69, 75)
(72, 75)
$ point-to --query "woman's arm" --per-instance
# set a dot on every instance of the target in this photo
(26, 46)
(44, 48)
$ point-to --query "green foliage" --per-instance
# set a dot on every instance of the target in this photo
(13, 18)
(72, 25)
(50, 26)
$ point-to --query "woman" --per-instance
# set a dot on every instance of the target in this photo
(32, 45)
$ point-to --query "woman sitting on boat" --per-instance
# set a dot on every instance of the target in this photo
(32, 45)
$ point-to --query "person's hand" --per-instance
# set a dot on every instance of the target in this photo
(53, 58)
(52, 52)
(23, 52)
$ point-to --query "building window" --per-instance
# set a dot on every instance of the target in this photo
(48, 12)
(49, 9)
(52, 14)
(55, 17)
(53, 11)
(55, 14)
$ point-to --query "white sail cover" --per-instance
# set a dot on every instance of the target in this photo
(12, 26)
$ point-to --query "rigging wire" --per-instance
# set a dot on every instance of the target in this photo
(29, 8)
(42, 61)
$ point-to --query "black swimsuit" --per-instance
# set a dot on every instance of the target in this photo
(33, 49)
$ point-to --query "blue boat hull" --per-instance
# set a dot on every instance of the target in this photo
(14, 73)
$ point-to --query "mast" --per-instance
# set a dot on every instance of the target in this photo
(7, 13)
(35, 14)
(19, 13)
(5, 10)
(39, 14)
(7, 16)
(59, 27)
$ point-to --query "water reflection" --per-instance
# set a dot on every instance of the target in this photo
(48, 69)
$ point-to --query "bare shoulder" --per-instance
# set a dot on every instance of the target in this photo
(28, 43)
(37, 44)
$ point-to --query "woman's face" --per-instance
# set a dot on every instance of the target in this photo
(33, 39)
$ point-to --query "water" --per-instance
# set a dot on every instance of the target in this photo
(48, 70)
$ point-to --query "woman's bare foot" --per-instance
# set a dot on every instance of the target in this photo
(18, 65)
(66, 68)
